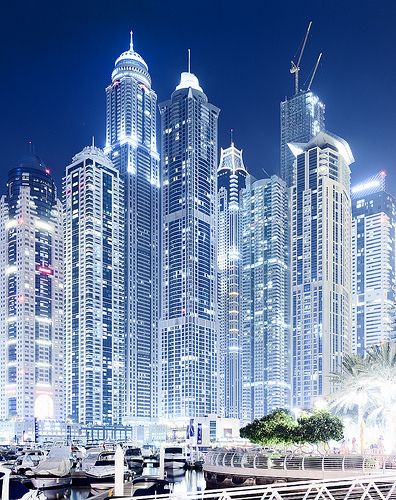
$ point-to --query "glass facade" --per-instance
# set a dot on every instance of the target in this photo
(31, 302)
(231, 179)
(302, 117)
(373, 264)
(131, 106)
(94, 289)
(321, 264)
(188, 328)
(266, 298)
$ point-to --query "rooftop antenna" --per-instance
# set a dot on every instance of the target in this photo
(131, 41)
(232, 135)
(31, 147)
(93, 141)
(295, 67)
(189, 60)
(314, 71)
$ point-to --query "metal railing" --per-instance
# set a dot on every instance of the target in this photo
(357, 488)
(252, 459)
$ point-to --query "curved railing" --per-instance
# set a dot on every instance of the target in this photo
(253, 459)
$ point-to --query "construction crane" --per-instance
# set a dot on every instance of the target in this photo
(295, 68)
(314, 71)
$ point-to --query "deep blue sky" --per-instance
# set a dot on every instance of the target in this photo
(57, 59)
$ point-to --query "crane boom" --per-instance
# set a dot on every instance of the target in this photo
(295, 68)
(314, 71)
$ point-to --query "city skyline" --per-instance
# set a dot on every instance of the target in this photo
(341, 73)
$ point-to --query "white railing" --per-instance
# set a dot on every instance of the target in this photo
(363, 464)
(356, 488)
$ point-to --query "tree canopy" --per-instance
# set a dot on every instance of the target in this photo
(281, 428)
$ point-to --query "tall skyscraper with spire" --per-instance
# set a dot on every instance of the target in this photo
(94, 294)
(188, 327)
(321, 264)
(31, 299)
(231, 179)
(131, 144)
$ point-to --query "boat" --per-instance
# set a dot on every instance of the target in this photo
(27, 460)
(134, 458)
(101, 467)
(54, 471)
(149, 485)
(174, 458)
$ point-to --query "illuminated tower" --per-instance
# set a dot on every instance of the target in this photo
(231, 179)
(188, 331)
(321, 264)
(131, 144)
(266, 339)
(31, 299)
(94, 294)
(373, 263)
(302, 117)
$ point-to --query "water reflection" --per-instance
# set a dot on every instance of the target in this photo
(183, 481)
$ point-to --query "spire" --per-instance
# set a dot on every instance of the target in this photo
(131, 42)
(232, 136)
(189, 60)
(93, 141)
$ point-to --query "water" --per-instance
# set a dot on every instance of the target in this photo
(182, 482)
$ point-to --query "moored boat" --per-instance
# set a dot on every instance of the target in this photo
(174, 458)
(54, 471)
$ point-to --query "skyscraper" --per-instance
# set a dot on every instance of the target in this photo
(188, 331)
(302, 117)
(31, 298)
(94, 293)
(266, 297)
(373, 263)
(231, 179)
(321, 262)
(131, 144)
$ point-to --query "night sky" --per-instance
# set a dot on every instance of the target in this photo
(57, 59)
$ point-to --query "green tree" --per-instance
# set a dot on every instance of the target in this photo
(318, 427)
(280, 428)
(275, 428)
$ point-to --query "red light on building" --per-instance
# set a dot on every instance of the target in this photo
(44, 270)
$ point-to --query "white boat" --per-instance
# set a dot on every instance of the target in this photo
(54, 471)
(148, 451)
(174, 458)
(28, 460)
(101, 467)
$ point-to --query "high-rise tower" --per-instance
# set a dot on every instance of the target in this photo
(31, 298)
(266, 297)
(231, 179)
(188, 331)
(131, 144)
(373, 263)
(302, 117)
(321, 264)
(94, 277)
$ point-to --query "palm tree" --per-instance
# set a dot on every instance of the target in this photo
(366, 386)
(350, 394)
